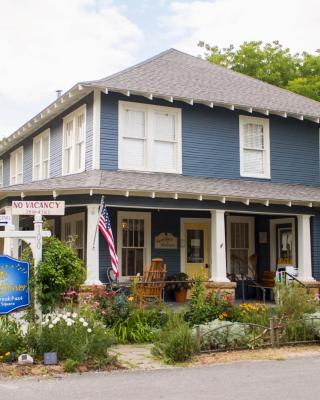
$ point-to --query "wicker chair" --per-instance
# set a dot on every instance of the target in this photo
(152, 284)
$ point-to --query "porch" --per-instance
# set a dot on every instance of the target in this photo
(226, 246)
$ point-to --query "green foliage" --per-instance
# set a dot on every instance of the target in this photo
(11, 338)
(255, 314)
(175, 342)
(179, 281)
(71, 336)
(204, 308)
(59, 270)
(140, 325)
(294, 301)
(272, 63)
(110, 307)
(70, 365)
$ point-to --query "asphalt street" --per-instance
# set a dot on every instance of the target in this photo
(293, 379)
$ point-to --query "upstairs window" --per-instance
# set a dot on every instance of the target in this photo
(254, 147)
(16, 166)
(1, 173)
(149, 137)
(41, 156)
(74, 128)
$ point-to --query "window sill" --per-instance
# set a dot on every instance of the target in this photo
(149, 170)
(267, 177)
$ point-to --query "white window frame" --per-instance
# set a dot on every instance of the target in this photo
(1, 173)
(273, 240)
(40, 138)
(147, 236)
(13, 160)
(73, 117)
(243, 119)
(149, 138)
(73, 219)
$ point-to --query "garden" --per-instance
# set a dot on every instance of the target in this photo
(78, 335)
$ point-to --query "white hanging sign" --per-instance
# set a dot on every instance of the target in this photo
(33, 207)
(5, 219)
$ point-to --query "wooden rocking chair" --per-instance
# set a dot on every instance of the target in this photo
(152, 284)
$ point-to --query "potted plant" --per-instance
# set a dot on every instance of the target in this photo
(179, 284)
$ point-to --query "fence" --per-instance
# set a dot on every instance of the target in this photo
(239, 335)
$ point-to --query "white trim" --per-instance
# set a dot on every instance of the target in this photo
(149, 139)
(183, 239)
(96, 129)
(147, 235)
(73, 218)
(72, 117)
(1, 173)
(92, 245)
(243, 119)
(273, 240)
(240, 219)
(13, 159)
(304, 249)
(218, 247)
(40, 138)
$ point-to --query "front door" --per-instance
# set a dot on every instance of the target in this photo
(195, 251)
(241, 245)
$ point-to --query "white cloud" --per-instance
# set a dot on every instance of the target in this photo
(52, 44)
(295, 23)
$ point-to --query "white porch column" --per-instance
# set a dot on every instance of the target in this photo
(92, 245)
(11, 246)
(304, 249)
(218, 247)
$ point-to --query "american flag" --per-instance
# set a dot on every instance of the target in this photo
(105, 229)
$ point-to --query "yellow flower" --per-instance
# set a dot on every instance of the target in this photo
(7, 354)
(131, 298)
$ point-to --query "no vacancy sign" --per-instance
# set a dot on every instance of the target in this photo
(45, 207)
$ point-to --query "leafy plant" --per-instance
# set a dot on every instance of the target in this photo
(59, 270)
(11, 338)
(70, 365)
(179, 281)
(71, 336)
(175, 343)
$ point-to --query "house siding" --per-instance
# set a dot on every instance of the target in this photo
(56, 127)
(210, 142)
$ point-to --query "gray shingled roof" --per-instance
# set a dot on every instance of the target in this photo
(173, 73)
(167, 184)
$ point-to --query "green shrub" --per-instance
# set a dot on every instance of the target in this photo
(294, 301)
(11, 338)
(110, 307)
(140, 325)
(71, 336)
(59, 270)
(175, 343)
(223, 334)
(70, 365)
(204, 308)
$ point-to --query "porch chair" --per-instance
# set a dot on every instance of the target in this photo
(153, 281)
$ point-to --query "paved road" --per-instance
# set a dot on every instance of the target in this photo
(294, 379)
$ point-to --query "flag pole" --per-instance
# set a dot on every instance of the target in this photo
(97, 227)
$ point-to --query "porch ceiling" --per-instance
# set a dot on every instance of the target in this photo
(153, 185)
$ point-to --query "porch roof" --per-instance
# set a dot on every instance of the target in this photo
(129, 183)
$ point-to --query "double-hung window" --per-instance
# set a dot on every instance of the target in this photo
(254, 147)
(41, 156)
(149, 137)
(16, 166)
(73, 152)
(1, 173)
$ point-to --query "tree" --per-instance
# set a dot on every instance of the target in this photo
(272, 63)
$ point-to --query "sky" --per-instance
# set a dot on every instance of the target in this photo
(47, 45)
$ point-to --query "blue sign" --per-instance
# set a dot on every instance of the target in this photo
(14, 284)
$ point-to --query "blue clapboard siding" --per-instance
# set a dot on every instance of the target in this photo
(56, 127)
(210, 142)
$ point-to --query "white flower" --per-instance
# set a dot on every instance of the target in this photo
(81, 319)
(69, 323)
(43, 323)
(68, 314)
(85, 324)
(50, 326)
(89, 330)
(65, 317)
(59, 315)
(74, 315)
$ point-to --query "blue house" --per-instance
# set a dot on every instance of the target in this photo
(215, 172)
